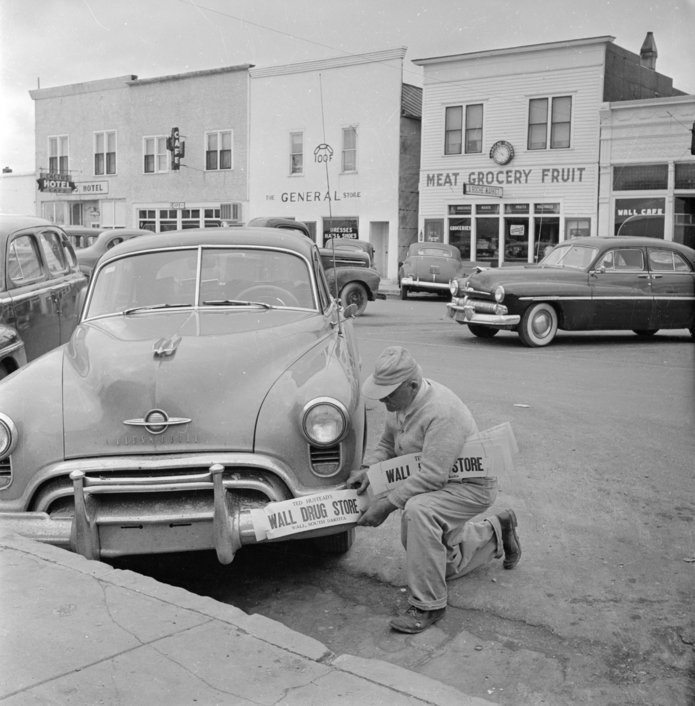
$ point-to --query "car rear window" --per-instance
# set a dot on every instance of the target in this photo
(663, 260)
(23, 261)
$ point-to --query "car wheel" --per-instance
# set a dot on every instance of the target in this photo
(482, 331)
(354, 293)
(404, 292)
(646, 332)
(336, 543)
(538, 325)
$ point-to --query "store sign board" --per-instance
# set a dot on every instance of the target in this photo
(56, 183)
(92, 188)
(483, 190)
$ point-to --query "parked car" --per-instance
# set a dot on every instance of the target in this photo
(351, 277)
(211, 372)
(353, 245)
(430, 267)
(350, 272)
(87, 257)
(40, 285)
(591, 283)
(81, 236)
(283, 223)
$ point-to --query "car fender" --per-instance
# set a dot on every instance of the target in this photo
(12, 353)
(32, 399)
(319, 373)
(338, 277)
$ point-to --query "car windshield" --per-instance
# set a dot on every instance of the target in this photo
(207, 277)
(574, 257)
(432, 252)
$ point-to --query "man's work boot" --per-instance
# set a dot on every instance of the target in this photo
(510, 539)
(416, 620)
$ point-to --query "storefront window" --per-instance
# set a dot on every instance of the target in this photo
(434, 230)
(460, 235)
(684, 221)
(516, 239)
(639, 177)
(640, 217)
(546, 236)
(340, 228)
(685, 175)
(577, 227)
(487, 239)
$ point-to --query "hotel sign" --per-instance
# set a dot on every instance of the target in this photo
(56, 182)
(92, 188)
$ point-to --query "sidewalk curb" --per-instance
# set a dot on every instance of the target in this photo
(401, 681)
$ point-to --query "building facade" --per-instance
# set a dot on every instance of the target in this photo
(510, 143)
(335, 143)
(647, 169)
(103, 157)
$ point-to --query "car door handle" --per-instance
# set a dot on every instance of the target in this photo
(643, 276)
(657, 276)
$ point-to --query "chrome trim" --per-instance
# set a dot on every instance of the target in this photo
(424, 284)
(158, 427)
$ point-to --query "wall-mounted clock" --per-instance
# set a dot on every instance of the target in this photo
(502, 152)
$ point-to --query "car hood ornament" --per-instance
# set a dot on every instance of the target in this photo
(156, 421)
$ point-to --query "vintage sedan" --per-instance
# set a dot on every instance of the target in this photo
(592, 283)
(40, 289)
(87, 257)
(211, 373)
(430, 267)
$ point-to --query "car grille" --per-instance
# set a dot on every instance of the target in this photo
(5, 472)
(482, 307)
(257, 486)
(325, 461)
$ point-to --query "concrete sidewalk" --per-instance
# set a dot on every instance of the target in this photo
(74, 631)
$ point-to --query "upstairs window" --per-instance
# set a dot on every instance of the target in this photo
(296, 153)
(453, 125)
(218, 150)
(350, 149)
(468, 137)
(549, 122)
(156, 156)
(58, 154)
(104, 153)
(474, 128)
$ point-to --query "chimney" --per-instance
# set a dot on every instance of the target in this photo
(648, 53)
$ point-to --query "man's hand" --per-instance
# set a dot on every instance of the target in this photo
(376, 513)
(359, 480)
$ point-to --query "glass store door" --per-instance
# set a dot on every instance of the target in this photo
(487, 234)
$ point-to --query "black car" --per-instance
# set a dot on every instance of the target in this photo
(594, 283)
(40, 289)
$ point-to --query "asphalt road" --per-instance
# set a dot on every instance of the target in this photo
(600, 609)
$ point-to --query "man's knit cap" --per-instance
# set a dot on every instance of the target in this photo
(394, 366)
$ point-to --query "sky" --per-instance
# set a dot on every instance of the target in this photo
(46, 43)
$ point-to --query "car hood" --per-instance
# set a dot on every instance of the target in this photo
(208, 370)
(488, 279)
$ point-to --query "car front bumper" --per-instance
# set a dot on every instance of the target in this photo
(465, 313)
(417, 283)
(117, 514)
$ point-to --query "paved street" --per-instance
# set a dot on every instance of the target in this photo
(600, 608)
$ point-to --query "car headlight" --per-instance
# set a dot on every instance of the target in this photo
(499, 294)
(8, 436)
(454, 287)
(324, 421)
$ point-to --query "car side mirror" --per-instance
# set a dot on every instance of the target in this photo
(350, 311)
